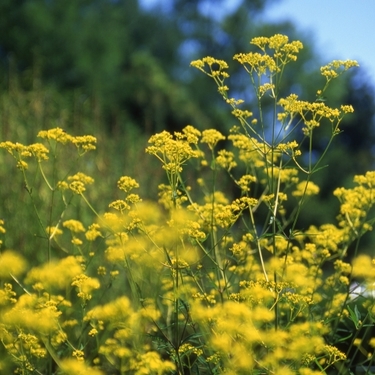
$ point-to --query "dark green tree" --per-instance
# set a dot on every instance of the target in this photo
(106, 65)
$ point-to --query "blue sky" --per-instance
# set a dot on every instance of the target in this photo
(342, 29)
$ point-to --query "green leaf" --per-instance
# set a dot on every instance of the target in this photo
(355, 316)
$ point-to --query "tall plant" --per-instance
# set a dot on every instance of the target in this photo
(214, 276)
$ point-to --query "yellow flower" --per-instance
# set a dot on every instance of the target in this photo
(74, 226)
(363, 268)
(93, 332)
(39, 151)
(256, 62)
(278, 41)
(306, 188)
(266, 87)
(78, 367)
(119, 205)
(79, 182)
(53, 231)
(241, 114)
(372, 342)
(191, 134)
(336, 68)
(225, 159)
(102, 270)
(210, 61)
(11, 263)
(133, 198)
(368, 179)
(152, 363)
(78, 354)
(347, 108)
(57, 134)
(173, 152)
(126, 184)
(85, 286)
(15, 149)
(117, 310)
(245, 181)
(76, 241)
(55, 274)
(62, 185)
(93, 232)
(260, 42)
(234, 102)
(33, 313)
(22, 165)
(211, 137)
(2, 229)
(86, 142)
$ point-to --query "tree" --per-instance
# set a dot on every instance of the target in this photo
(129, 69)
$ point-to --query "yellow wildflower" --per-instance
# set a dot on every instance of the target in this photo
(86, 142)
(93, 232)
(79, 181)
(211, 137)
(57, 134)
(55, 274)
(245, 181)
(39, 151)
(74, 226)
(11, 263)
(336, 68)
(76, 241)
(191, 134)
(22, 165)
(126, 184)
(74, 367)
(363, 268)
(119, 205)
(133, 198)
(15, 149)
(256, 62)
(85, 286)
(306, 188)
(225, 159)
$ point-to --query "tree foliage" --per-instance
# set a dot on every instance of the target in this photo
(123, 69)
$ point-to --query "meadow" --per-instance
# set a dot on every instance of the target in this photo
(207, 272)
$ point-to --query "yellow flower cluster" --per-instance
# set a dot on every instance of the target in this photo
(83, 143)
(216, 68)
(336, 68)
(56, 274)
(74, 226)
(93, 232)
(256, 62)
(78, 182)
(85, 285)
(20, 152)
(57, 134)
(72, 367)
(226, 159)
(126, 184)
(312, 114)
(11, 263)
(356, 203)
(251, 151)
(306, 188)
(192, 282)
(284, 52)
(211, 137)
(173, 152)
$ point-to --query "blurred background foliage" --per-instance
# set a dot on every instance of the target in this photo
(119, 71)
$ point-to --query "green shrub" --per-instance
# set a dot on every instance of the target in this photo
(213, 275)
